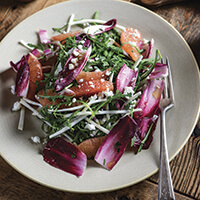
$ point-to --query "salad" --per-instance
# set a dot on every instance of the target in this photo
(95, 89)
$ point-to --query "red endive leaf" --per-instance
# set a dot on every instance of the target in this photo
(150, 99)
(115, 142)
(65, 156)
(68, 74)
(22, 79)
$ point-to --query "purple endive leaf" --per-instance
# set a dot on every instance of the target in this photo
(20, 63)
(44, 38)
(83, 38)
(126, 77)
(48, 53)
(147, 46)
(115, 142)
(22, 79)
(150, 99)
(144, 134)
(65, 156)
(36, 53)
(159, 71)
(98, 29)
(71, 70)
(17, 65)
(86, 43)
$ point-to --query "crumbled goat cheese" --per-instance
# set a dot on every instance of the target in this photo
(71, 66)
(81, 80)
(92, 86)
(108, 73)
(12, 89)
(128, 90)
(82, 42)
(92, 98)
(80, 46)
(74, 60)
(35, 139)
(97, 70)
(145, 41)
(73, 100)
(90, 67)
(108, 93)
(136, 34)
(16, 106)
(89, 126)
(76, 53)
(133, 43)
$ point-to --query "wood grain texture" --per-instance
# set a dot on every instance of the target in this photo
(185, 167)
(14, 186)
(185, 17)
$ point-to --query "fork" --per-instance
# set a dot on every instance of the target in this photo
(165, 187)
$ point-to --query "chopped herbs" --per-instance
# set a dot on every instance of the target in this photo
(117, 146)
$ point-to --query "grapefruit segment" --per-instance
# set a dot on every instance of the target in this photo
(130, 38)
(35, 75)
(90, 146)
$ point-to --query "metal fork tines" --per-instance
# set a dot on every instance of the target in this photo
(165, 187)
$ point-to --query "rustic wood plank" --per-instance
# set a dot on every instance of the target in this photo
(4, 9)
(15, 186)
(185, 17)
(185, 169)
(159, 2)
(17, 12)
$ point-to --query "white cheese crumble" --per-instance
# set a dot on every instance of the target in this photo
(97, 70)
(76, 53)
(133, 44)
(89, 126)
(108, 93)
(145, 41)
(82, 42)
(108, 73)
(94, 97)
(90, 67)
(73, 100)
(71, 66)
(16, 106)
(128, 90)
(80, 46)
(81, 80)
(12, 89)
(74, 60)
(35, 139)
(136, 34)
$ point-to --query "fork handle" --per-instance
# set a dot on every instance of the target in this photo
(165, 187)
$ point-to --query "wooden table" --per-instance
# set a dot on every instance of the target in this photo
(185, 167)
